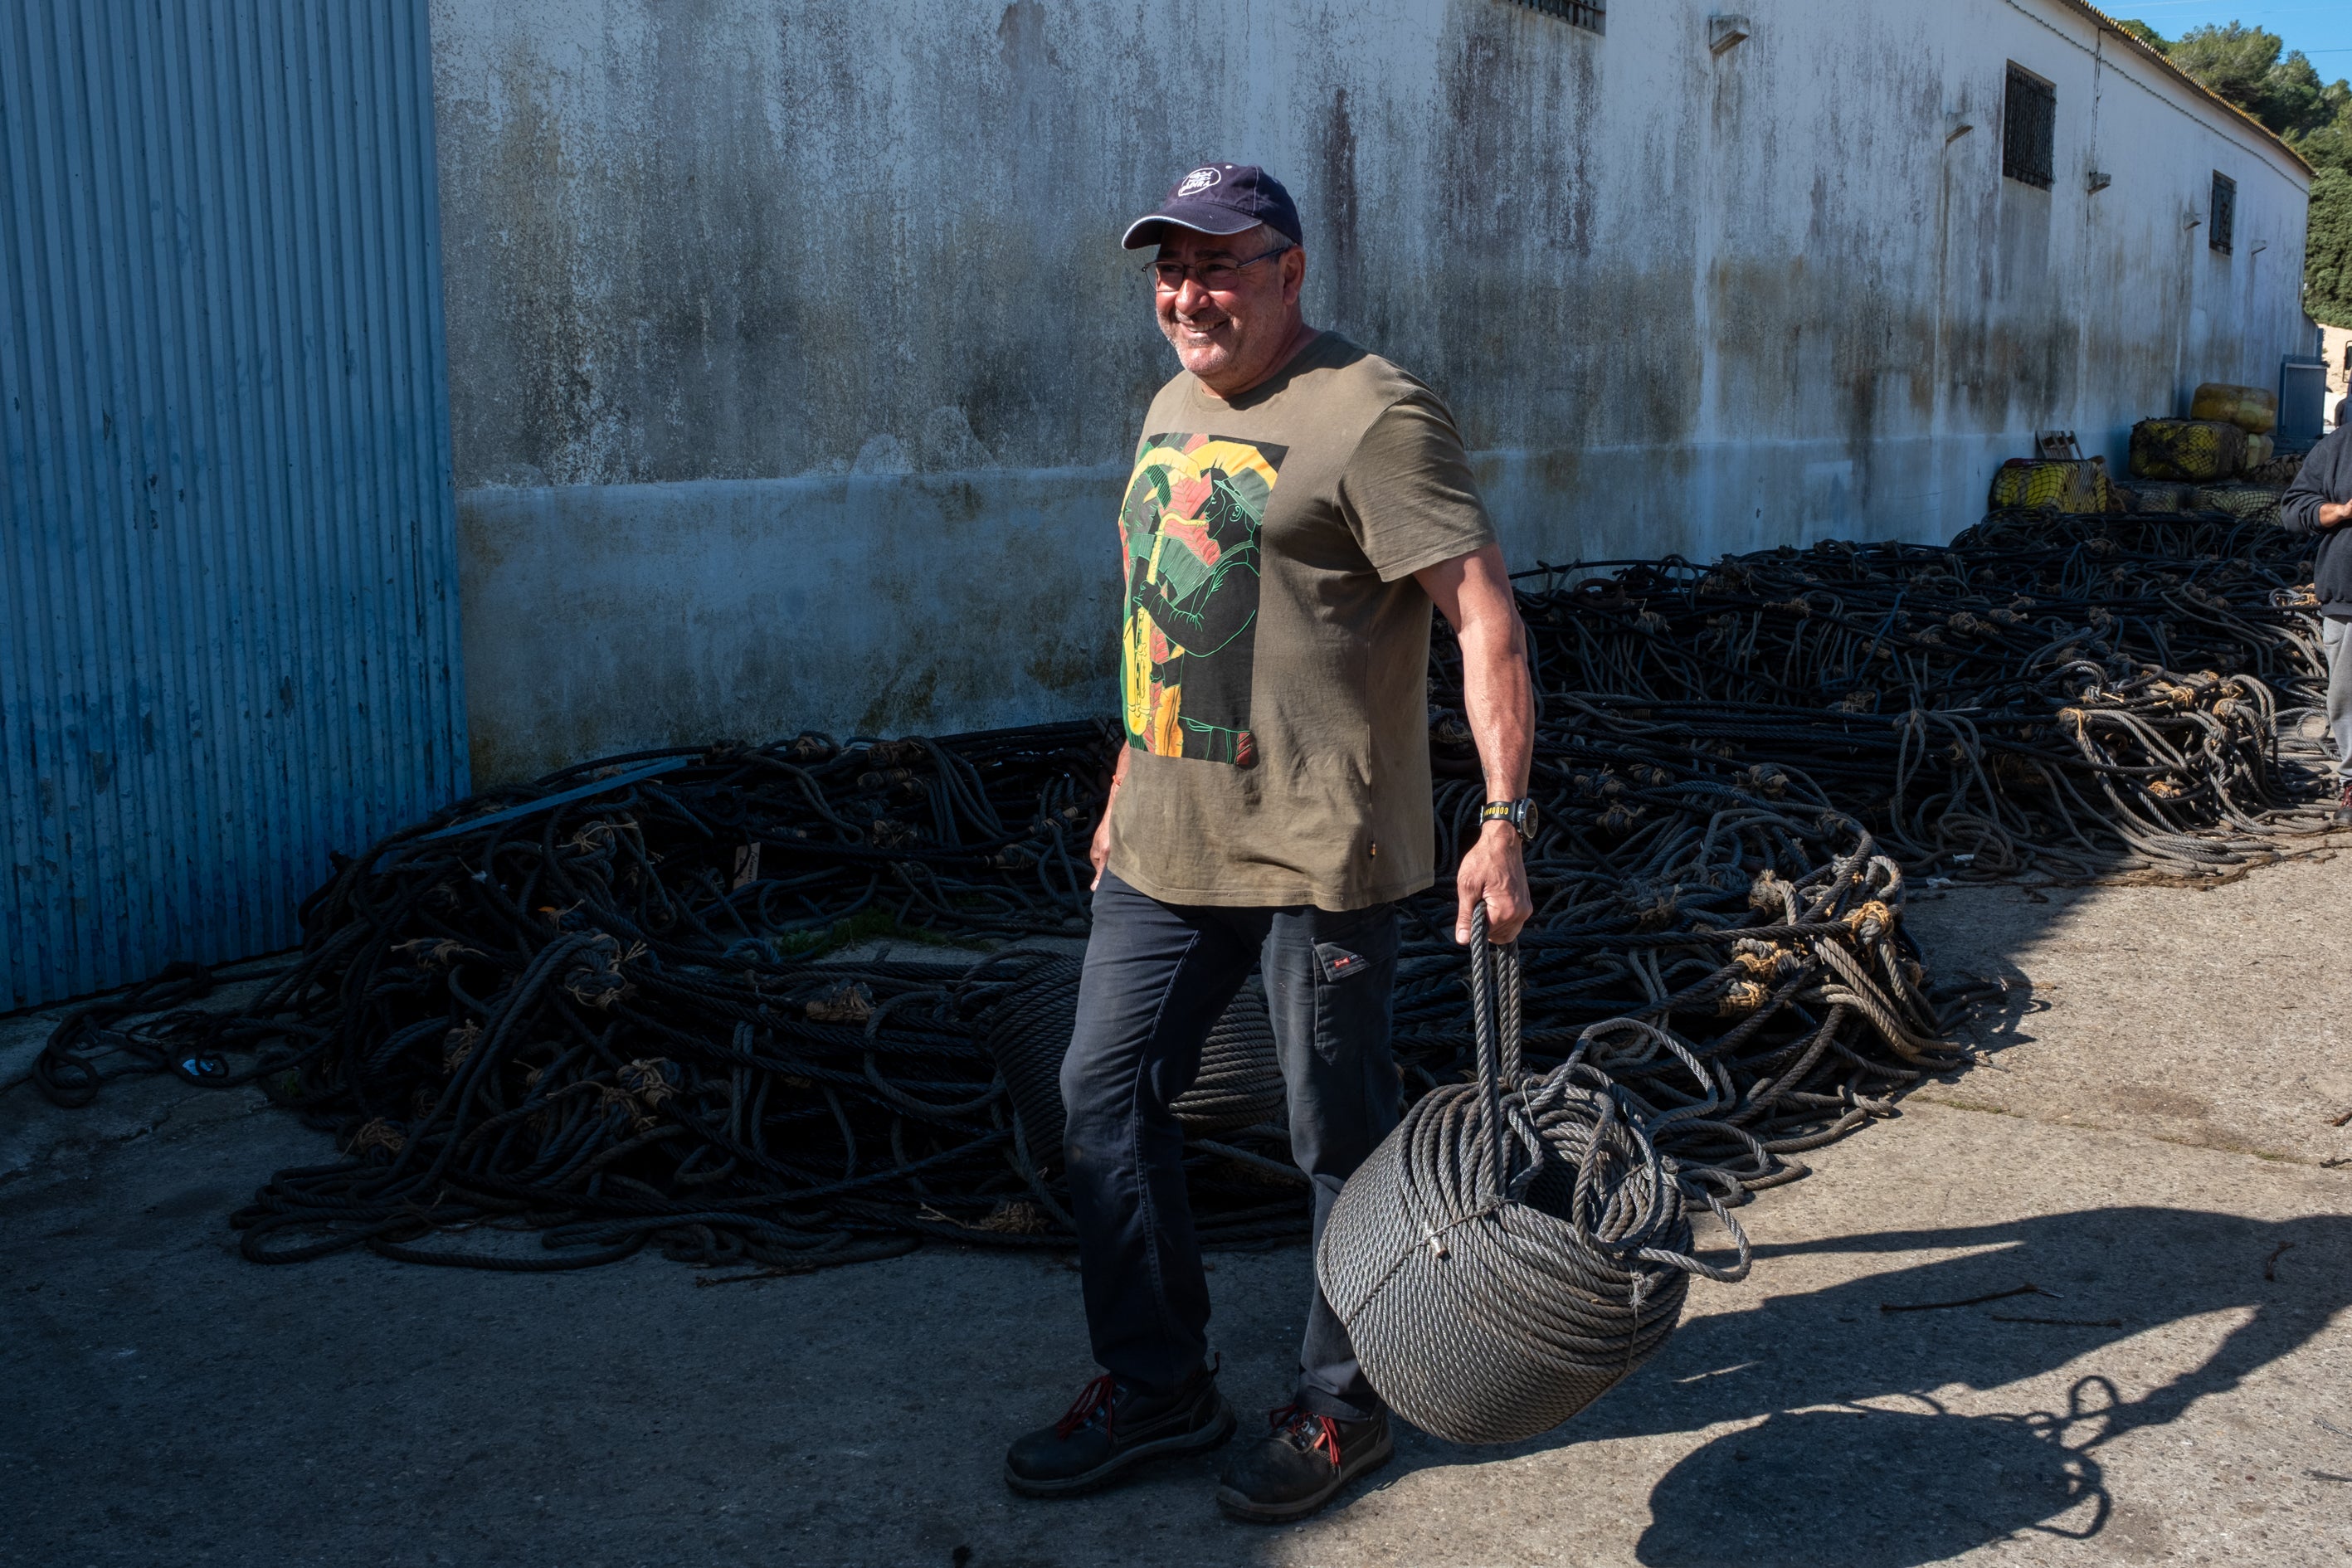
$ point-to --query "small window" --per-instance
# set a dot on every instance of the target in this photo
(2028, 125)
(1580, 13)
(2221, 222)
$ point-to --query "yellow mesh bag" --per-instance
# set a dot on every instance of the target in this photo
(2253, 409)
(2194, 451)
(2155, 496)
(2068, 486)
(2247, 503)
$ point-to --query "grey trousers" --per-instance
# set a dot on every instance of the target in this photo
(2336, 636)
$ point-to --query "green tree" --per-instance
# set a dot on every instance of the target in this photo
(2329, 147)
(2145, 34)
(2245, 65)
(2328, 253)
(2235, 62)
(2293, 101)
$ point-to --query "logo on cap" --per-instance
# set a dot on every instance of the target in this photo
(1196, 181)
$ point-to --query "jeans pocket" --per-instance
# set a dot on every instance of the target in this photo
(1340, 964)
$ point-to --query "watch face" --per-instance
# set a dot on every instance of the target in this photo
(1527, 820)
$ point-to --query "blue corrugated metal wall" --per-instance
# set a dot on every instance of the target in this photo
(229, 617)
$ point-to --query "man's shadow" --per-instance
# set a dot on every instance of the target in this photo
(1857, 1462)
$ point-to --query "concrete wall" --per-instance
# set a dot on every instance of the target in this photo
(795, 364)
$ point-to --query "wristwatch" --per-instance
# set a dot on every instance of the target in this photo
(1520, 814)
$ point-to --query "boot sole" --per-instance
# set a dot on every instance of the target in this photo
(1249, 1512)
(1213, 1436)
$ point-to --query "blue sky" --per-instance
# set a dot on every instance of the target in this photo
(2320, 28)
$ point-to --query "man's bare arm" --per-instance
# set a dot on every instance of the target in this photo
(1474, 593)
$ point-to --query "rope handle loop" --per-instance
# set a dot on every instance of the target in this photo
(1496, 1025)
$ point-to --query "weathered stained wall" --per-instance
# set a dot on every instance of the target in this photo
(795, 360)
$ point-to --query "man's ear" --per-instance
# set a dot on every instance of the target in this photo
(1293, 263)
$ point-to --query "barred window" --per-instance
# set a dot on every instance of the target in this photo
(2221, 221)
(2029, 127)
(1581, 13)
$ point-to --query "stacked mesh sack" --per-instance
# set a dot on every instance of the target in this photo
(2073, 486)
(2227, 432)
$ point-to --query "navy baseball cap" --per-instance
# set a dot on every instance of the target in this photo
(1220, 198)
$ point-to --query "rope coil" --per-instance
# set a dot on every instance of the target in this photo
(1518, 1244)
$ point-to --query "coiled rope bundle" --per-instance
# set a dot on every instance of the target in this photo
(1518, 1244)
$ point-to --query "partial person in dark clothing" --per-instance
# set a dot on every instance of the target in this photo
(2319, 504)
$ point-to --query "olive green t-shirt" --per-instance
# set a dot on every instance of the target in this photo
(1275, 646)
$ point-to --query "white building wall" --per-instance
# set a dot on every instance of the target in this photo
(795, 364)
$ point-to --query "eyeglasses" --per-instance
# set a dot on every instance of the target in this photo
(1168, 276)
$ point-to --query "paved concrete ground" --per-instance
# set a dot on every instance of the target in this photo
(2151, 1149)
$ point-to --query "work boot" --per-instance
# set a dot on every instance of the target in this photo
(2344, 808)
(1301, 1465)
(1114, 1426)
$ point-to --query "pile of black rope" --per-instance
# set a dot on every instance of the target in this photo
(2075, 697)
(706, 1001)
(796, 1003)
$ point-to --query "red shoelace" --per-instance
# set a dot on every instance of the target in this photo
(1298, 1424)
(1100, 1396)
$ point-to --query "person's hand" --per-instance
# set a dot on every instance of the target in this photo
(2334, 513)
(1099, 850)
(1495, 871)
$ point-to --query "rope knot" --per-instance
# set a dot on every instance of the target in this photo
(1765, 960)
(595, 978)
(1620, 818)
(598, 838)
(848, 1002)
(1015, 1216)
(639, 1088)
(436, 952)
(373, 1134)
(1740, 998)
(1869, 921)
(1654, 904)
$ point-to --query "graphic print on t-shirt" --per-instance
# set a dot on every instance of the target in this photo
(1189, 525)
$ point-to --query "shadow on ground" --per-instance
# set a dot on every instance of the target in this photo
(1849, 1450)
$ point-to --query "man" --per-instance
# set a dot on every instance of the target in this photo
(1297, 506)
(2319, 503)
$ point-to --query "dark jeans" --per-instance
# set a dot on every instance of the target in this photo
(1156, 977)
